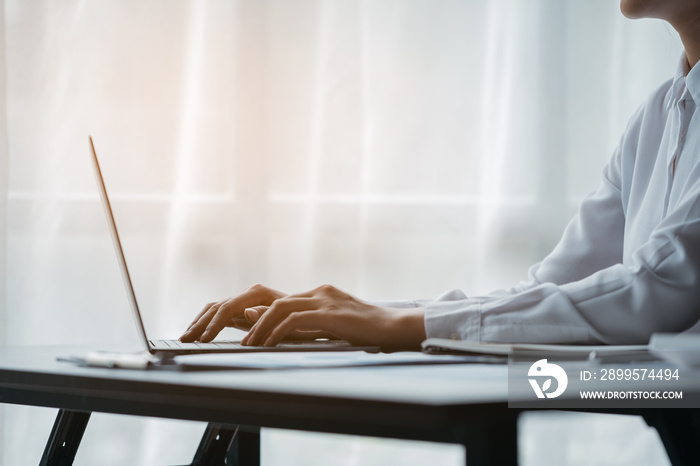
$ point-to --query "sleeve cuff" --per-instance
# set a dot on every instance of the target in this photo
(457, 320)
(408, 304)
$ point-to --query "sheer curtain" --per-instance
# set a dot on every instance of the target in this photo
(394, 148)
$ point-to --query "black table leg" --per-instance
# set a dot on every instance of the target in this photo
(67, 432)
(225, 445)
(494, 441)
(679, 430)
(245, 450)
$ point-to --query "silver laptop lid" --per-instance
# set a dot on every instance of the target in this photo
(118, 249)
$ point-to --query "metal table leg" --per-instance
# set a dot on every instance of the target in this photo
(679, 430)
(245, 450)
(225, 445)
(67, 432)
(494, 441)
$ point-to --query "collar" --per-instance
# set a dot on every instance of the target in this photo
(686, 82)
(678, 86)
(692, 81)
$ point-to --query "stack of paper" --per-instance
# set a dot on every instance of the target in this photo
(302, 360)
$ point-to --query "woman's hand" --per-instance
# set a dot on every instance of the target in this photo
(252, 315)
(325, 312)
(327, 309)
(230, 312)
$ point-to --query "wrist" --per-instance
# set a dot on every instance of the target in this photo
(407, 330)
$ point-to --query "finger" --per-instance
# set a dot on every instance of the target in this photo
(240, 323)
(203, 331)
(308, 335)
(249, 317)
(233, 307)
(200, 320)
(304, 294)
(294, 321)
(253, 314)
(195, 331)
(320, 290)
(201, 313)
(276, 313)
(279, 310)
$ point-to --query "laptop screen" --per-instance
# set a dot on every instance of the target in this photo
(118, 248)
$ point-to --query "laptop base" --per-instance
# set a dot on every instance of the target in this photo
(175, 347)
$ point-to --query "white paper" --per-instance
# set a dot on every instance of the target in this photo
(682, 349)
(507, 348)
(296, 360)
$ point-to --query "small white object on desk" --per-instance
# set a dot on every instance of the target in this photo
(138, 360)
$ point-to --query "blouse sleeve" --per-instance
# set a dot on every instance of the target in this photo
(582, 292)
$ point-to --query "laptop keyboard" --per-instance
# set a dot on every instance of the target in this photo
(177, 344)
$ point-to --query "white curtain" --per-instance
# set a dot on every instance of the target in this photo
(3, 204)
(394, 148)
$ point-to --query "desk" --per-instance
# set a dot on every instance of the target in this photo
(463, 404)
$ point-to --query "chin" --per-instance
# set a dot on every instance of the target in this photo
(634, 9)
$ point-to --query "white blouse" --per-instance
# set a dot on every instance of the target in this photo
(628, 264)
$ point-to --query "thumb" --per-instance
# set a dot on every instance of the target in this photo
(253, 314)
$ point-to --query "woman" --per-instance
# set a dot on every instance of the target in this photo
(628, 264)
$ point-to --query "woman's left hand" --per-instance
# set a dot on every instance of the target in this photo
(327, 309)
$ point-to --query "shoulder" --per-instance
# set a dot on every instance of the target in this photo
(660, 98)
(641, 141)
(653, 110)
(646, 126)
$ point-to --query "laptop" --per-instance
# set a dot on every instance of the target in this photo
(167, 348)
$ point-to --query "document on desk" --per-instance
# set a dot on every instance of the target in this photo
(682, 349)
(446, 346)
(319, 359)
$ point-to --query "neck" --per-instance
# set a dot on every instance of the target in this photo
(689, 30)
(692, 51)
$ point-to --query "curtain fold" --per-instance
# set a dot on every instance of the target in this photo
(4, 175)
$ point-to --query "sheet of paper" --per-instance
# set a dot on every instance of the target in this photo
(682, 349)
(475, 347)
(293, 360)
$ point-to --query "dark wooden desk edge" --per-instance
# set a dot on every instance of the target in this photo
(245, 407)
(482, 427)
(487, 430)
